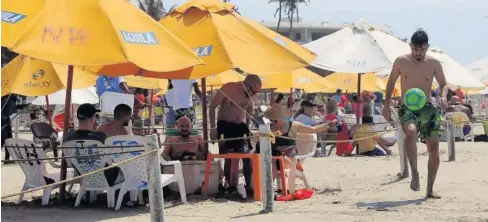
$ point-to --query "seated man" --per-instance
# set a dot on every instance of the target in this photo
(122, 116)
(194, 148)
(87, 120)
(87, 116)
(368, 146)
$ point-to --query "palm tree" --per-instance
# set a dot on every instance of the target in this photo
(291, 7)
(278, 12)
(155, 8)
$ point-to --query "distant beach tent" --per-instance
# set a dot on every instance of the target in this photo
(456, 75)
(358, 48)
(479, 69)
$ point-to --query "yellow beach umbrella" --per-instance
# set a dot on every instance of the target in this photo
(32, 77)
(227, 40)
(349, 82)
(383, 82)
(16, 16)
(299, 78)
(223, 78)
(94, 32)
(146, 82)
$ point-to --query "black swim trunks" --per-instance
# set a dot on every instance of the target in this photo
(233, 130)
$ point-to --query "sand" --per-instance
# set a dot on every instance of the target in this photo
(347, 189)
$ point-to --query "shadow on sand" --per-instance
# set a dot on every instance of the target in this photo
(384, 205)
(395, 179)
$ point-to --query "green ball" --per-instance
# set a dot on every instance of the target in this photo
(414, 99)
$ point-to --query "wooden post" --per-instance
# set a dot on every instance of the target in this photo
(156, 203)
(67, 112)
(48, 110)
(358, 118)
(16, 122)
(204, 112)
(402, 153)
(266, 169)
(451, 141)
(151, 117)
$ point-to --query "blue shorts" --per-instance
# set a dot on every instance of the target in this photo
(376, 152)
(170, 117)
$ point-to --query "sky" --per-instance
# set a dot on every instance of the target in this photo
(459, 27)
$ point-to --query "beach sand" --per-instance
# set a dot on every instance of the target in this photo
(347, 189)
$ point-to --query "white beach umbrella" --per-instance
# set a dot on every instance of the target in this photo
(456, 75)
(359, 48)
(479, 69)
(78, 96)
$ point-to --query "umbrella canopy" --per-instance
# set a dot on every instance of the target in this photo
(477, 91)
(223, 78)
(146, 82)
(384, 82)
(16, 16)
(359, 48)
(456, 75)
(480, 69)
(94, 32)
(33, 77)
(299, 78)
(80, 96)
(349, 83)
(227, 40)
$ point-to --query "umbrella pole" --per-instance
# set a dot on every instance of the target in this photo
(291, 100)
(323, 99)
(151, 109)
(211, 93)
(358, 111)
(271, 98)
(204, 112)
(67, 111)
(48, 110)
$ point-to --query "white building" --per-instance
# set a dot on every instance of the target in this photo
(305, 32)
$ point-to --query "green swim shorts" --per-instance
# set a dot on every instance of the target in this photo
(427, 119)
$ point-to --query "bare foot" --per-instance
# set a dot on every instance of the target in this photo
(415, 184)
(431, 195)
(402, 176)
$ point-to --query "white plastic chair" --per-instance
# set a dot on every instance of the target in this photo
(135, 172)
(93, 182)
(35, 170)
(304, 149)
(460, 119)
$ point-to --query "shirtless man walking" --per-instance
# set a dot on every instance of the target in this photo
(235, 106)
(417, 70)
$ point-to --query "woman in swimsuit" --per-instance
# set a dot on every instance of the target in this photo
(280, 121)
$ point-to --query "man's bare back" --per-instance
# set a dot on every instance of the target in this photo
(417, 74)
(110, 130)
(235, 103)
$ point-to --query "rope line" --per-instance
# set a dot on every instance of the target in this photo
(71, 157)
(80, 176)
(73, 147)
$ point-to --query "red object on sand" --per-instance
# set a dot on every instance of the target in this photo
(303, 194)
(288, 197)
